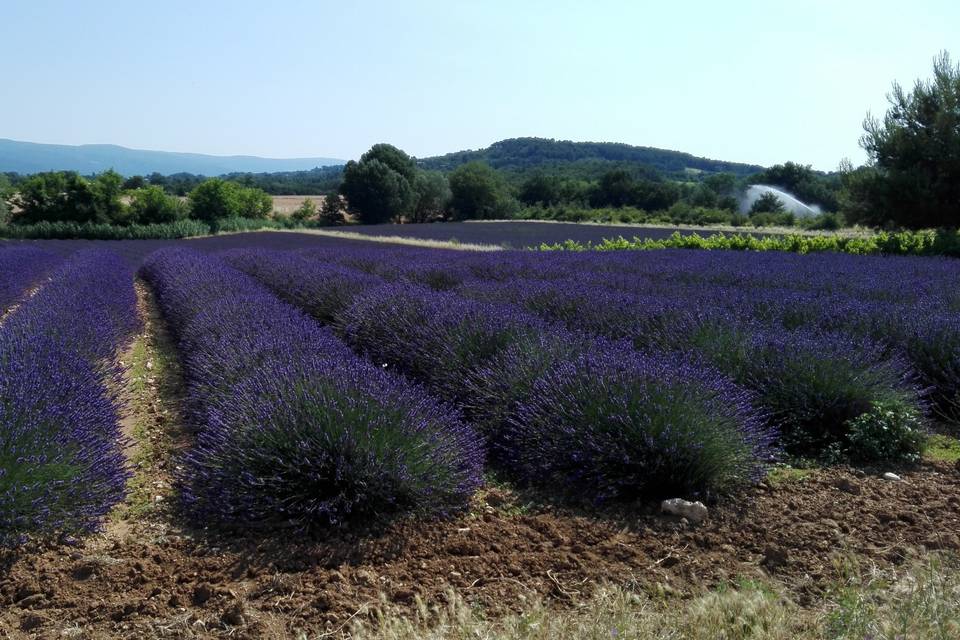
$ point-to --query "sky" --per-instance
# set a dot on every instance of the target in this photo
(758, 82)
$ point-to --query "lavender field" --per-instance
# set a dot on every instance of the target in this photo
(330, 386)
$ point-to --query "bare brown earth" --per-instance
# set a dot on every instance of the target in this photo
(151, 575)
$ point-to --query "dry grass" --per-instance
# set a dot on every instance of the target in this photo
(920, 603)
(413, 242)
(285, 205)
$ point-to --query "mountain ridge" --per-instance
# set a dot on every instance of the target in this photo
(34, 157)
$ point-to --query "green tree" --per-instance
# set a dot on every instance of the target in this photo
(615, 189)
(134, 182)
(151, 205)
(767, 203)
(332, 210)
(107, 189)
(541, 189)
(57, 196)
(306, 211)
(375, 192)
(431, 195)
(253, 202)
(913, 179)
(213, 199)
(217, 199)
(6, 192)
(477, 192)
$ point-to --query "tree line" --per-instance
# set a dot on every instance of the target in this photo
(106, 198)
(912, 180)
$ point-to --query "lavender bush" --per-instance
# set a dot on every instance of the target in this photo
(293, 428)
(614, 426)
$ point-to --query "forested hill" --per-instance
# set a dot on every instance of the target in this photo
(523, 154)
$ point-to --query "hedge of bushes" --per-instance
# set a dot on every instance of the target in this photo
(61, 461)
(167, 231)
(292, 427)
(941, 242)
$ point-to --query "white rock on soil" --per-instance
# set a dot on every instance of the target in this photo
(695, 512)
(892, 477)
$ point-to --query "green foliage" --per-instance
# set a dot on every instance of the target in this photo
(767, 203)
(97, 231)
(306, 211)
(809, 186)
(478, 193)
(332, 211)
(914, 180)
(217, 199)
(680, 213)
(65, 196)
(379, 188)
(151, 205)
(548, 190)
(6, 192)
(521, 155)
(941, 447)
(431, 196)
(910, 243)
(890, 432)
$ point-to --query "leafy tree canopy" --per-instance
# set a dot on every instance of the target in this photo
(914, 177)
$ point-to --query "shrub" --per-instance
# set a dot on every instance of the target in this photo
(332, 211)
(151, 205)
(216, 199)
(812, 384)
(319, 288)
(71, 230)
(293, 427)
(942, 242)
(435, 337)
(306, 211)
(615, 426)
(890, 431)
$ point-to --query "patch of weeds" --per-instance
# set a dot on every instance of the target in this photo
(783, 475)
(942, 448)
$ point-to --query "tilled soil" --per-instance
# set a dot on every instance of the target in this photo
(148, 578)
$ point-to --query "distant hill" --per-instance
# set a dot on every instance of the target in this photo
(29, 157)
(523, 154)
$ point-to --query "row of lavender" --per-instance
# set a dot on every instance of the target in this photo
(557, 408)
(20, 269)
(293, 428)
(61, 461)
(848, 370)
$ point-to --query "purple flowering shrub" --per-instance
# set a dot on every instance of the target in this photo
(815, 384)
(320, 288)
(492, 360)
(618, 426)
(20, 269)
(61, 461)
(292, 426)
(437, 338)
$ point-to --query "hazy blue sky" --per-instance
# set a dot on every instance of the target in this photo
(759, 82)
